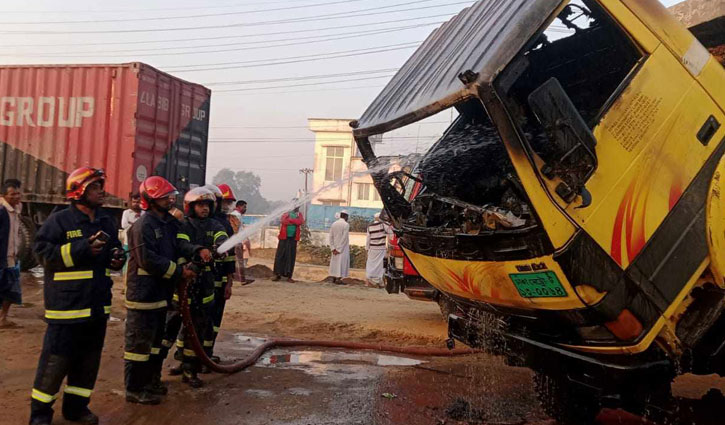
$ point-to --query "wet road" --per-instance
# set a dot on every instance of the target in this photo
(303, 387)
(320, 387)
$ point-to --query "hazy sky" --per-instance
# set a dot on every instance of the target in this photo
(265, 119)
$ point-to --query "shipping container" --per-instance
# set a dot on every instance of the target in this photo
(132, 120)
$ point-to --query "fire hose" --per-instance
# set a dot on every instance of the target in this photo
(277, 343)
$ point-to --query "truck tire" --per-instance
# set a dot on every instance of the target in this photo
(564, 401)
(27, 236)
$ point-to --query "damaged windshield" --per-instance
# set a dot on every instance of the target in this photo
(466, 182)
(574, 68)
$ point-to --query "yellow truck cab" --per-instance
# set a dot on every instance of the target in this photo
(573, 211)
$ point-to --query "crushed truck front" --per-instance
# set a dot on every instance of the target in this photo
(568, 198)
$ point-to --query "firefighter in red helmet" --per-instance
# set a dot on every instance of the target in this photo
(153, 273)
(78, 247)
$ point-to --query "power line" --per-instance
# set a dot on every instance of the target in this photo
(306, 77)
(339, 15)
(292, 92)
(229, 37)
(75, 11)
(166, 18)
(292, 59)
(111, 53)
(309, 140)
(321, 83)
(277, 127)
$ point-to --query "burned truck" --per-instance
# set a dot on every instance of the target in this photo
(573, 211)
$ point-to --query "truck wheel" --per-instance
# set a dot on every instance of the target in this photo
(27, 236)
(564, 401)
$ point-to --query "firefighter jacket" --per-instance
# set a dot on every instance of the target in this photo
(226, 264)
(152, 268)
(194, 235)
(77, 284)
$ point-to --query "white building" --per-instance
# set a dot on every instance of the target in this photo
(337, 158)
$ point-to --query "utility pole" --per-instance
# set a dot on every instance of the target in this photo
(306, 172)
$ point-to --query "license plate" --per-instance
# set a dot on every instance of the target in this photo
(538, 285)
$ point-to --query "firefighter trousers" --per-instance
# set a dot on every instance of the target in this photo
(171, 331)
(72, 351)
(142, 353)
(200, 317)
(217, 314)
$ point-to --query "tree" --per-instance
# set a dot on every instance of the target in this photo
(246, 186)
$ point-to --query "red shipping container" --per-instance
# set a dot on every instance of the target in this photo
(130, 119)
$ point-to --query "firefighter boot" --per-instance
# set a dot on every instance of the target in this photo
(85, 418)
(191, 378)
(143, 397)
(157, 387)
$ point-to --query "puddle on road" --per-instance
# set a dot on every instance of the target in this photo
(323, 362)
(337, 357)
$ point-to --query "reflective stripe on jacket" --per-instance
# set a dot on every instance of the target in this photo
(77, 285)
(153, 271)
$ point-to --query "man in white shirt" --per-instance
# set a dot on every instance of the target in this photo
(340, 246)
(132, 214)
(376, 245)
(10, 291)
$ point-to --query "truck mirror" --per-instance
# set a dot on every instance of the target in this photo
(571, 156)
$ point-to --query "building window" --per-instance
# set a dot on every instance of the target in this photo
(363, 191)
(333, 166)
(376, 195)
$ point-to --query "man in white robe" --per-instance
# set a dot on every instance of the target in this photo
(376, 245)
(340, 246)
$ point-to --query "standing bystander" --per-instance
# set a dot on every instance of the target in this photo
(289, 234)
(243, 251)
(129, 217)
(376, 244)
(10, 208)
(340, 246)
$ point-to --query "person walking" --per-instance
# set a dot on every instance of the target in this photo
(340, 246)
(77, 247)
(153, 273)
(10, 291)
(289, 235)
(376, 246)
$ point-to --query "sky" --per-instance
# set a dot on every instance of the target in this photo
(271, 64)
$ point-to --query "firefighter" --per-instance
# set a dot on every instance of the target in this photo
(78, 247)
(223, 275)
(152, 276)
(200, 232)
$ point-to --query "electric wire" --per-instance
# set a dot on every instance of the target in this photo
(166, 52)
(225, 37)
(340, 15)
(291, 59)
(165, 18)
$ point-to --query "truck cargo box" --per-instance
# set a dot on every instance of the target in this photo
(130, 119)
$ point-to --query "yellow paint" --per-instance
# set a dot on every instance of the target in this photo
(656, 330)
(490, 282)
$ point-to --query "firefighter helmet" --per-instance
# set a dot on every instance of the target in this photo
(79, 180)
(199, 194)
(227, 192)
(155, 187)
(214, 190)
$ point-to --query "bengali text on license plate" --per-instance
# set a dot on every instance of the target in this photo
(538, 285)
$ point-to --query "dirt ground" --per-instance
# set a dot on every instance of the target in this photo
(307, 386)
